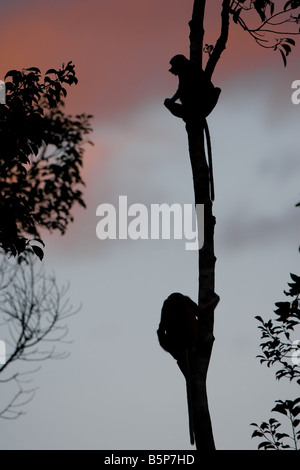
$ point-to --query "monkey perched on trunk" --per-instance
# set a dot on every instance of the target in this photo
(178, 333)
(198, 98)
(196, 92)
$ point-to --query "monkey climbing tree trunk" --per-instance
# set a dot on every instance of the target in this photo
(186, 329)
(201, 358)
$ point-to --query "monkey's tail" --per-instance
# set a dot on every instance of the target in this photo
(210, 162)
(189, 396)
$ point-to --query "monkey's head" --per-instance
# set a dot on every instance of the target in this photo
(178, 63)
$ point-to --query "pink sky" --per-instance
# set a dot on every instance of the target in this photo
(121, 49)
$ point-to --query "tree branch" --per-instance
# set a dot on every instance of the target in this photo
(197, 31)
(32, 307)
(221, 42)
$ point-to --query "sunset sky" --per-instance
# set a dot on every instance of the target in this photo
(118, 389)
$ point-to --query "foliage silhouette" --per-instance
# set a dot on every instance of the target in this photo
(279, 348)
(40, 157)
(272, 16)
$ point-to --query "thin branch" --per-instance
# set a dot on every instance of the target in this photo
(221, 42)
(33, 307)
(267, 21)
(12, 409)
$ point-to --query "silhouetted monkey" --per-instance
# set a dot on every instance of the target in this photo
(178, 334)
(198, 98)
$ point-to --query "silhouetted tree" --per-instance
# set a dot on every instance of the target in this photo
(41, 152)
(41, 155)
(281, 346)
(266, 22)
(33, 310)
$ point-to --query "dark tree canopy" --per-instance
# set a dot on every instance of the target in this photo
(41, 154)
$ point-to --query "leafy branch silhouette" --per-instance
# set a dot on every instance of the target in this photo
(278, 348)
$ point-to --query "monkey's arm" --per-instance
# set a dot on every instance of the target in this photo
(210, 304)
(165, 341)
(176, 96)
(173, 107)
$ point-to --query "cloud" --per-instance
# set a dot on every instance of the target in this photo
(117, 47)
(240, 232)
(121, 49)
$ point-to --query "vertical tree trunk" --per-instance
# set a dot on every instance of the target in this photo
(199, 367)
(199, 357)
(200, 363)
